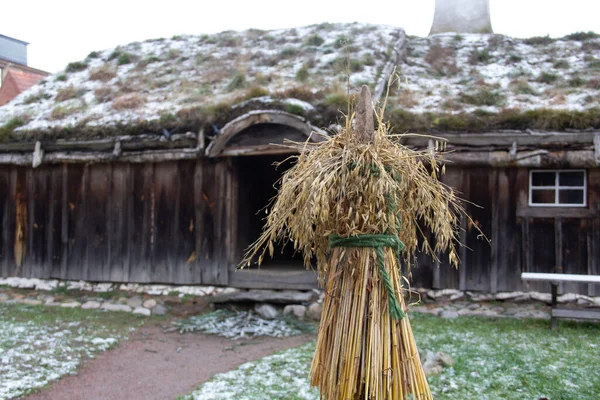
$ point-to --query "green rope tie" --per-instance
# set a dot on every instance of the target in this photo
(378, 242)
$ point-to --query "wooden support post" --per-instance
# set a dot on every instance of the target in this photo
(554, 302)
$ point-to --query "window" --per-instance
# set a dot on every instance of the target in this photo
(562, 188)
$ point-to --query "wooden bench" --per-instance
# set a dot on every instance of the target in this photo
(554, 280)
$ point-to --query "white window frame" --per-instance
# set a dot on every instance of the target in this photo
(557, 188)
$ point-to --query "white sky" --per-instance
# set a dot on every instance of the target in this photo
(61, 31)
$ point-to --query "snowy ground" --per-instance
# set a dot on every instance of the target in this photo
(40, 344)
(495, 359)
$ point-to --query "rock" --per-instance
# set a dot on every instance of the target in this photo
(32, 302)
(159, 310)
(3, 297)
(457, 296)
(149, 304)
(46, 285)
(449, 314)
(296, 310)
(71, 304)
(523, 297)
(507, 295)
(266, 311)
(482, 297)
(142, 311)
(511, 311)
(266, 296)
(88, 305)
(445, 359)
(116, 307)
(498, 310)
(473, 306)
(128, 287)
(465, 311)
(26, 284)
(314, 311)
(103, 287)
(432, 368)
(435, 294)
(567, 298)
(134, 302)
(545, 297)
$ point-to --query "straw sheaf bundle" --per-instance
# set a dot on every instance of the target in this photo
(347, 187)
(355, 202)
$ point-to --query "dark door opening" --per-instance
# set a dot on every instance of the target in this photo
(258, 180)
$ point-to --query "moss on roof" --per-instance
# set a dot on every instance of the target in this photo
(447, 82)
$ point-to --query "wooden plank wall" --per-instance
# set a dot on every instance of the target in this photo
(163, 223)
(177, 222)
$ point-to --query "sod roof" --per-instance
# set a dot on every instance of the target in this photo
(447, 82)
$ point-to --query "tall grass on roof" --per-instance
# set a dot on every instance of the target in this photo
(358, 203)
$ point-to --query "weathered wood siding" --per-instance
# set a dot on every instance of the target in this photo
(186, 222)
(163, 222)
(522, 239)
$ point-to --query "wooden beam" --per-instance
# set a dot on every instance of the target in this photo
(575, 313)
(555, 212)
(398, 54)
(232, 128)
(528, 159)
(558, 278)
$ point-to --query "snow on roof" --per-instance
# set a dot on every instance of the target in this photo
(169, 82)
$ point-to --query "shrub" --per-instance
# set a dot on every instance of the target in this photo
(93, 54)
(288, 52)
(34, 98)
(442, 59)
(513, 58)
(521, 86)
(238, 81)
(315, 40)
(76, 66)
(547, 77)
(479, 57)
(124, 58)
(10, 126)
(582, 36)
(337, 99)
(590, 47)
(576, 81)
(593, 83)
(104, 94)
(294, 109)
(167, 118)
(60, 112)
(538, 40)
(128, 101)
(561, 64)
(103, 74)
(302, 74)
(256, 91)
(483, 97)
(67, 93)
(61, 78)
(367, 59)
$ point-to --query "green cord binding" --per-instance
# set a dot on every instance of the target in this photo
(378, 242)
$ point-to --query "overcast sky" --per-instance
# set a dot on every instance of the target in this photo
(61, 31)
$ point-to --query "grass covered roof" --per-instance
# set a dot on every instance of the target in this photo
(447, 82)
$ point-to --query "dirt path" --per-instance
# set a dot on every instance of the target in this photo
(153, 364)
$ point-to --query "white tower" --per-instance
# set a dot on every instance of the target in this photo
(461, 16)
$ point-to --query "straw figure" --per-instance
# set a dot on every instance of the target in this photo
(357, 203)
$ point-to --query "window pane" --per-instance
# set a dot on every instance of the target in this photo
(570, 178)
(543, 178)
(545, 196)
(570, 196)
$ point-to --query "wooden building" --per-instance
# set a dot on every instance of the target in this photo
(178, 200)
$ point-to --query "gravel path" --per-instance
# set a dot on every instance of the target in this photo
(153, 364)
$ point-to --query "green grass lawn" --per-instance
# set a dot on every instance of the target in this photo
(39, 344)
(495, 359)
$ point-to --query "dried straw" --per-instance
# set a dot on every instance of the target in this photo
(345, 187)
